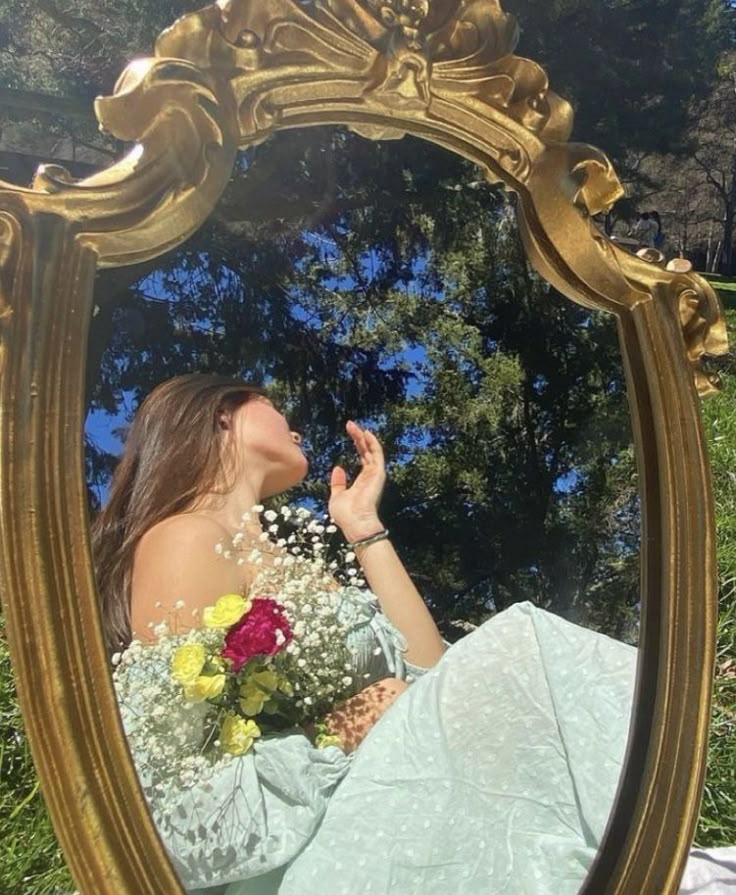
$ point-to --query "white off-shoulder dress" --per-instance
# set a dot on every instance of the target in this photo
(494, 772)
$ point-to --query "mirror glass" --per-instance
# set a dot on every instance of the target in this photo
(382, 283)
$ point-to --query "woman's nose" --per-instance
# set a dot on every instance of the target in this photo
(296, 438)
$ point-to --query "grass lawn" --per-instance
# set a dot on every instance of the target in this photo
(725, 287)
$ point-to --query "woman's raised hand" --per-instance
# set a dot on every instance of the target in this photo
(355, 508)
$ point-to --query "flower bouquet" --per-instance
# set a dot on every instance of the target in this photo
(248, 666)
(260, 663)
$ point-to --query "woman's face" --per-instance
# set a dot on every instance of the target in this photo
(265, 442)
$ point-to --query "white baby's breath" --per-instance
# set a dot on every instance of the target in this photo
(164, 732)
(294, 565)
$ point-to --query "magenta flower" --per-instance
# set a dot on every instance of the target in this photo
(264, 631)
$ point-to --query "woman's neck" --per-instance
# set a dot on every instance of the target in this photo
(233, 510)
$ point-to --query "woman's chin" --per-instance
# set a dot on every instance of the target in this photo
(302, 470)
(287, 479)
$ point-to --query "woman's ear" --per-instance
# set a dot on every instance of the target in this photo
(223, 419)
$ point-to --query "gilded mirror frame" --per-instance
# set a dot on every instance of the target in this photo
(229, 76)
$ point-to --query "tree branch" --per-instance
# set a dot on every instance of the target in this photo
(70, 22)
(706, 169)
(45, 105)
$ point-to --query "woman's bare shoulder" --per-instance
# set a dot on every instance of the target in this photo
(177, 562)
(192, 529)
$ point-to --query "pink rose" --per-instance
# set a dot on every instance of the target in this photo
(263, 631)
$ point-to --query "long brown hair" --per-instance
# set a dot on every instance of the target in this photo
(172, 456)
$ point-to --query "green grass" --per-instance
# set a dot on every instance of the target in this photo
(718, 813)
(31, 862)
(720, 281)
(725, 287)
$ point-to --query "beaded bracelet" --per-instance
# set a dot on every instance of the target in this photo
(371, 539)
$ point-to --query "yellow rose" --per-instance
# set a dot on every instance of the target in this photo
(226, 611)
(285, 686)
(324, 740)
(256, 691)
(237, 734)
(252, 702)
(188, 662)
(205, 687)
(266, 678)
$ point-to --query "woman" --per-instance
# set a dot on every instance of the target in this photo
(494, 771)
(170, 505)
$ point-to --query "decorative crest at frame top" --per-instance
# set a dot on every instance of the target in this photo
(408, 50)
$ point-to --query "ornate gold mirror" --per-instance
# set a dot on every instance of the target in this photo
(230, 77)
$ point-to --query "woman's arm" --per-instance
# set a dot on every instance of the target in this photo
(401, 601)
(355, 510)
(353, 719)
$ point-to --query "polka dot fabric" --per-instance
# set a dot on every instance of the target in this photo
(494, 773)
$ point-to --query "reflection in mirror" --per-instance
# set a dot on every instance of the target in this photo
(315, 721)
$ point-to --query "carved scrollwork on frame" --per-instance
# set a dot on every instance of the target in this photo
(416, 58)
(703, 330)
(229, 76)
(612, 278)
(162, 190)
(10, 242)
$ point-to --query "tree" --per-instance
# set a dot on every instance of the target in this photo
(630, 69)
(498, 397)
(715, 157)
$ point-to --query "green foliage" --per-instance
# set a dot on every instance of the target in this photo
(718, 814)
(387, 282)
(629, 67)
(717, 825)
(31, 862)
(80, 47)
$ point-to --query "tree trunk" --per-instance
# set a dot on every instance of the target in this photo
(728, 223)
(709, 253)
(728, 240)
(716, 263)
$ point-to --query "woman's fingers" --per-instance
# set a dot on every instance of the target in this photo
(368, 446)
(374, 445)
(359, 440)
(373, 449)
(338, 481)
